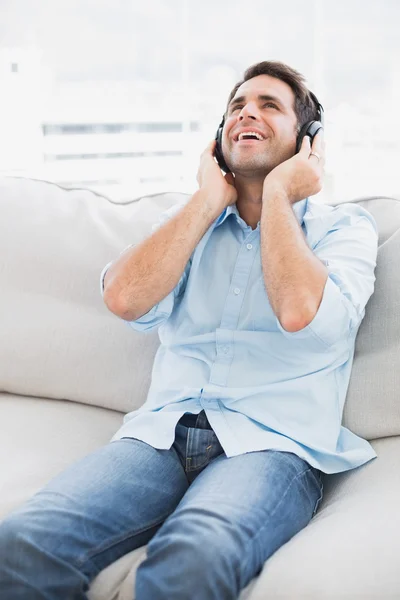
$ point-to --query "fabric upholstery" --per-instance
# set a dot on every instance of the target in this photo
(39, 438)
(54, 244)
(59, 342)
(58, 339)
(352, 544)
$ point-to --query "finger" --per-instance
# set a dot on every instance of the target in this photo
(210, 147)
(305, 147)
(318, 142)
(209, 151)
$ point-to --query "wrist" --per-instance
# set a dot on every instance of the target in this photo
(274, 189)
(209, 202)
(213, 199)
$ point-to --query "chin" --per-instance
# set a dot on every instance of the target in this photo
(250, 167)
(250, 163)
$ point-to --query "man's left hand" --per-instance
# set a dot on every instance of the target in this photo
(301, 175)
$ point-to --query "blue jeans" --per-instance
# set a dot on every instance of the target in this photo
(210, 522)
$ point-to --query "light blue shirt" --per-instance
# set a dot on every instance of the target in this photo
(222, 348)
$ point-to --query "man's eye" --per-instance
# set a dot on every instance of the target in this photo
(240, 106)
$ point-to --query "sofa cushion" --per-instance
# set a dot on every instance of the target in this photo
(372, 402)
(44, 437)
(58, 339)
(349, 550)
(40, 438)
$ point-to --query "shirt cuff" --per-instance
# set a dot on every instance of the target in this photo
(102, 276)
(332, 321)
(155, 317)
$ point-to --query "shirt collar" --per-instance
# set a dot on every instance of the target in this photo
(299, 209)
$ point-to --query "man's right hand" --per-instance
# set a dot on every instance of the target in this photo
(218, 187)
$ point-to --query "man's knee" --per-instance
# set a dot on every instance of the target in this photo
(22, 538)
(31, 565)
(17, 548)
(192, 555)
(8, 534)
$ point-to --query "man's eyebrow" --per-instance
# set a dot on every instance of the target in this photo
(264, 97)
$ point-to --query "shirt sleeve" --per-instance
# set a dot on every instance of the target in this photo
(102, 276)
(349, 251)
(161, 311)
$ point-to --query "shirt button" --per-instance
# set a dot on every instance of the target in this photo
(236, 291)
(249, 246)
(225, 349)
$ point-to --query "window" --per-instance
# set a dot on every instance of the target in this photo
(111, 83)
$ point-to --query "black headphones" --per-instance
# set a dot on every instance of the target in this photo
(311, 129)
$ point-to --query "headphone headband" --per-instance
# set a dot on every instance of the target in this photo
(319, 106)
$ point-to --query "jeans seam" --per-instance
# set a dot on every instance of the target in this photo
(79, 562)
(318, 502)
(261, 529)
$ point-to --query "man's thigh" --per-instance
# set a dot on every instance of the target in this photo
(236, 514)
(101, 507)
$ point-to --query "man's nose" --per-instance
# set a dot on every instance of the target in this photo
(247, 114)
(248, 111)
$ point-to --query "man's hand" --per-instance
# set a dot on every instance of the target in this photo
(218, 187)
(300, 176)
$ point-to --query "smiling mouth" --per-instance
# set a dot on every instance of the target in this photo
(249, 141)
(249, 136)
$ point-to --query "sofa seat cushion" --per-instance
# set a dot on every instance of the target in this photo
(41, 437)
(349, 550)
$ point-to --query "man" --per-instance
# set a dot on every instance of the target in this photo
(258, 294)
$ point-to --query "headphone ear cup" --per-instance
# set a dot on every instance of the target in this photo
(311, 129)
(218, 151)
(302, 133)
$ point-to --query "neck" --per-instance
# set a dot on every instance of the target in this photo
(249, 202)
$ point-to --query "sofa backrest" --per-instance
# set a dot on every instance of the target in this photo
(58, 340)
(373, 397)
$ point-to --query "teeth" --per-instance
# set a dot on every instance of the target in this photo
(257, 135)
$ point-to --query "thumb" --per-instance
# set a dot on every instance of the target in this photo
(305, 146)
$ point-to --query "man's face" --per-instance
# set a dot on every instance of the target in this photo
(263, 105)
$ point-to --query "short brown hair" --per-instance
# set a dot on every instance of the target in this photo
(304, 107)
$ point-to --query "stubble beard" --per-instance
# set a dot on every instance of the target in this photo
(255, 163)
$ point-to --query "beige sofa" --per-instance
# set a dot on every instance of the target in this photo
(70, 369)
